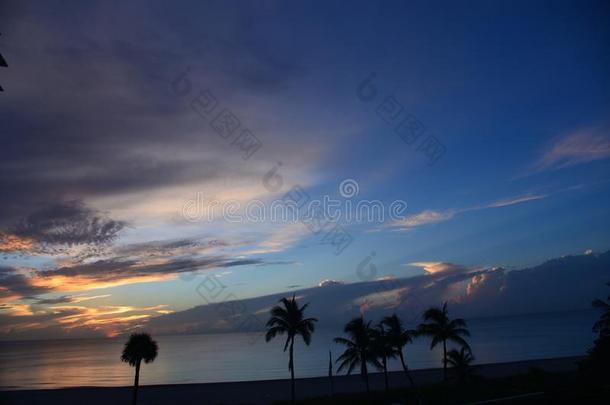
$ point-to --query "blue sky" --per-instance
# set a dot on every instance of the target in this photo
(100, 155)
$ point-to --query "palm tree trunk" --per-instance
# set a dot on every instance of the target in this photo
(444, 359)
(406, 369)
(385, 372)
(136, 382)
(365, 373)
(292, 370)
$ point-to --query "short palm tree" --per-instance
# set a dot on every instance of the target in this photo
(290, 320)
(360, 348)
(461, 362)
(441, 329)
(140, 346)
(398, 338)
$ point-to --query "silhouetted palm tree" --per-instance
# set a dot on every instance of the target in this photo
(289, 319)
(360, 348)
(602, 326)
(384, 350)
(398, 338)
(461, 361)
(597, 363)
(442, 329)
(140, 346)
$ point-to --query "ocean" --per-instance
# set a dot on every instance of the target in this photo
(245, 356)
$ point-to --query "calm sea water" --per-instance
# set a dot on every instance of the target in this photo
(238, 357)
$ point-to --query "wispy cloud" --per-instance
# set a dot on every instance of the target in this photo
(282, 239)
(580, 147)
(112, 273)
(431, 217)
(516, 200)
(424, 218)
(70, 299)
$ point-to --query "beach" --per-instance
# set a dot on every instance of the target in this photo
(260, 392)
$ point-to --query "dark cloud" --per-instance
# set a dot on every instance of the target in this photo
(113, 270)
(16, 284)
(68, 223)
(58, 226)
(64, 299)
(169, 248)
(90, 112)
(566, 283)
(576, 280)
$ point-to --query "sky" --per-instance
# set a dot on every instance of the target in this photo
(140, 142)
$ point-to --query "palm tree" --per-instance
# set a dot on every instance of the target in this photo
(140, 346)
(383, 349)
(398, 338)
(360, 348)
(461, 361)
(441, 328)
(289, 319)
(602, 326)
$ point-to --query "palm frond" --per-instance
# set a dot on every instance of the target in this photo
(459, 340)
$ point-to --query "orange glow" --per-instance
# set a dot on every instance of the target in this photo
(17, 309)
(82, 283)
(14, 243)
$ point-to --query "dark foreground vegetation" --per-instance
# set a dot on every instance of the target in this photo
(535, 387)
(462, 384)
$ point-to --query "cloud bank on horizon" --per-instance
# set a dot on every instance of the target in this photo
(102, 148)
(561, 284)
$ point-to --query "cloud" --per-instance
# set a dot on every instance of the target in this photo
(516, 200)
(112, 272)
(329, 282)
(146, 145)
(10, 243)
(17, 309)
(75, 320)
(428, 217)
(424, 218)
(69, 299)
(286, 237)
(577, 148)
(16, 284)
(167, 248)
(471, 292)
(440, 267)
(59, 226)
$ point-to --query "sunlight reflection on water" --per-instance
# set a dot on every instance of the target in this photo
(231, 357)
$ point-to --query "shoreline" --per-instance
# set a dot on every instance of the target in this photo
(261, 391)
